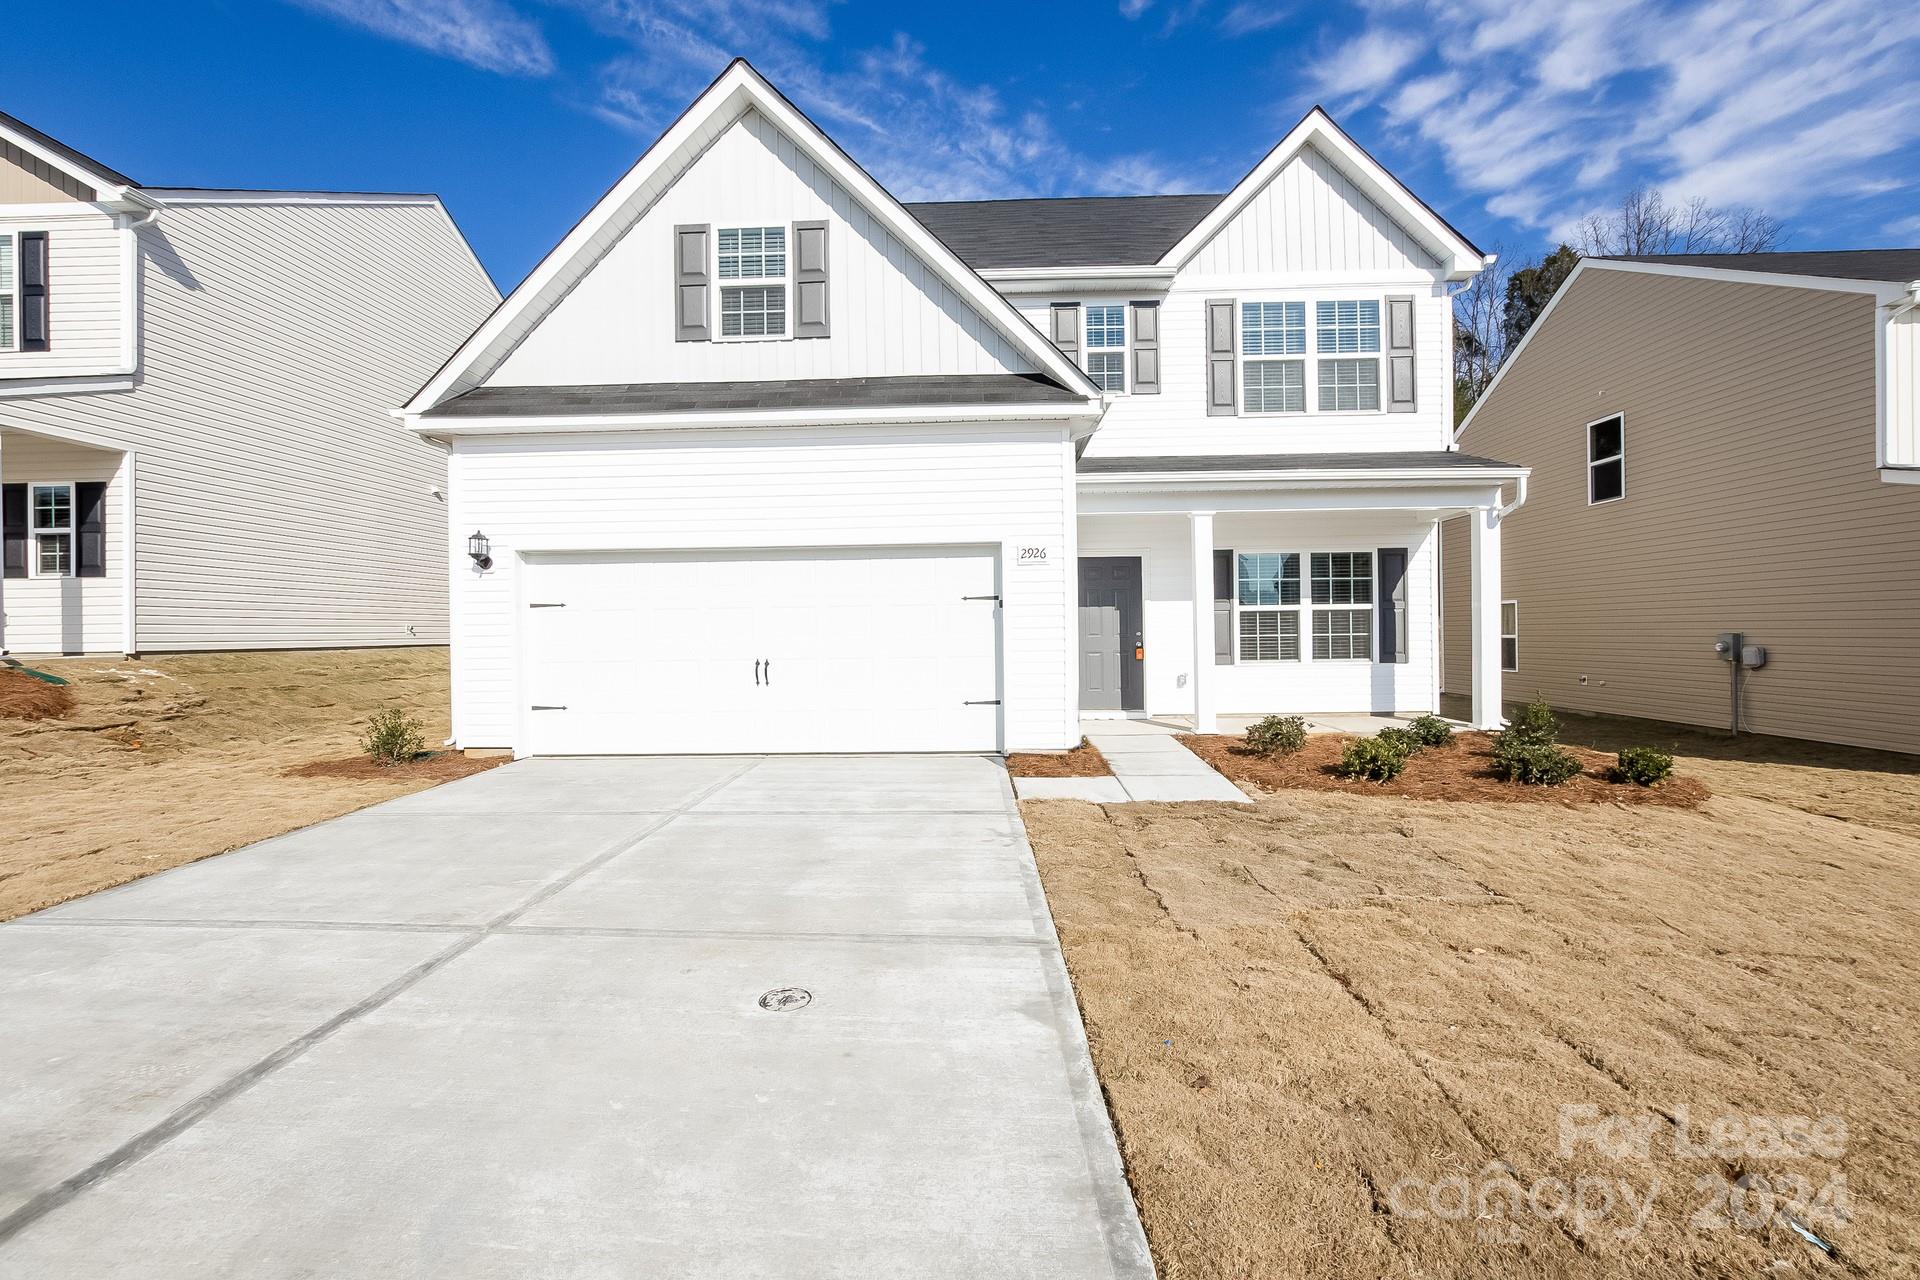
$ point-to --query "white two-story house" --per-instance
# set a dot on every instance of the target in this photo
(196, 442)
(760, 459)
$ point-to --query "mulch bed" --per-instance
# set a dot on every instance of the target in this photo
(24, 698)
(1459, 771)
(435, 766)
(1084, 761)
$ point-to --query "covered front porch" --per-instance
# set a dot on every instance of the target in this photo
(64, 522)
(1240, 587)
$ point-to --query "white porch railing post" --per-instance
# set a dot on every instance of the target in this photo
(1486, 620)
(1201, 523)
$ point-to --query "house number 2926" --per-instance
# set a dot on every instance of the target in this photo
(1033, 555)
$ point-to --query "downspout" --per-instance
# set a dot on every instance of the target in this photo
(1519, 500)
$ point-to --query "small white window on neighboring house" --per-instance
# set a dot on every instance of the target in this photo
(1107, 347)
(50, 525)
(1342, 598)
(1267, 589)
(753, 282)
(9, 291)
(1606, 460)
(1344, 330)
(1509, 635)
(1267, 330)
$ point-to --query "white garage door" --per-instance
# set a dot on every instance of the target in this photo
(765, 651)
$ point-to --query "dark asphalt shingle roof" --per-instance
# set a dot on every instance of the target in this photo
(1077, 231)
(1901, 265)
(55, 145)
(792, 393)
(1436, 459)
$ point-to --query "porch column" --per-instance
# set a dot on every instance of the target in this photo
(1201, 523)
(1486, 619)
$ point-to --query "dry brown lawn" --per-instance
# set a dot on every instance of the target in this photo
(1083, 761)
(165, 760)
(1298, 1007)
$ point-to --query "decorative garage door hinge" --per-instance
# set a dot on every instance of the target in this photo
(545, 605)
(983, 702)
(537, 707)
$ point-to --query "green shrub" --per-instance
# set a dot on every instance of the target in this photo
(393, 737)
(1430, 731)
(1538, 763)
(1405, 741)
(1277, 735)
(1534, 723)
(1377, 759)
(1644, 766)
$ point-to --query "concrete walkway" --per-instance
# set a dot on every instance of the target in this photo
(1148, 763)
(790, 1017)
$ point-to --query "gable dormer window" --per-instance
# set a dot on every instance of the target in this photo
(752, 268)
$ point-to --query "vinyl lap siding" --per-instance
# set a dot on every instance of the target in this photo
(891, 315)
(279, 503)
(86, 274)
(1752, 505)
(1001, 486)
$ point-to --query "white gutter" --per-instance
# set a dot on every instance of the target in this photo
(1519, 499)
(1350, 475)
(1053, 279)
(1088, 412)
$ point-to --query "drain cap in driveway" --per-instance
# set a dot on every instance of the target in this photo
(782, 999)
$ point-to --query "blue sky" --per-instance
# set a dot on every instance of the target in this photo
(1513, 117)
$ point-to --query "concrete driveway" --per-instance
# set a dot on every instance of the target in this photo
(513, 1027)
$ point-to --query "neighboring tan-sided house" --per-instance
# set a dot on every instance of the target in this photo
(759, 459)
(196, 445)
(1719, 443)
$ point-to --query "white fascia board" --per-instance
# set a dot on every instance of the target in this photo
(1085, 414)
(1401, 477)
(1323, 497)
(1458, 259)
(1883, 291)
(737, 89)
(105, 188)
(75, 385)
(191, 195)
(1084, 279)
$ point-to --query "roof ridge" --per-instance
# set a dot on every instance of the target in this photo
(1145, 195)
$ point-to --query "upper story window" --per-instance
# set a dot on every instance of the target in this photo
(1347, 329)
(1269, 329)
(753, 291)
(9, 292)
(1107, 346)
(1606, 460)
(1340, 369)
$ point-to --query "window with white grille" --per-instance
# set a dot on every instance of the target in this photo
(1107, 347)
(1269, 329)
(753, 282)
(1267, 591)
(9, 291)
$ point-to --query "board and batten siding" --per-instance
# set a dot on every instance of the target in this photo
(279, 504)
(88, 262)
(27, 179)
(891, 315)
(74, 614)
(1752, 504)
(1006, 486)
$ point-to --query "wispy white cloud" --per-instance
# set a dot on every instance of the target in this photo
(1548, 108)
(1250, 16)
(1131, 9)
(483, 33)
(926, 134)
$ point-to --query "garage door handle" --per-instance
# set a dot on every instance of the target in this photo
(756, 671)
(537, 707)
(984, 702)
(769, 671)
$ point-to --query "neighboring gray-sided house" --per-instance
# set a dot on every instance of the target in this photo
(196, 449)
(1718, 443)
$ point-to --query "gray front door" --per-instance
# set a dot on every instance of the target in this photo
(1111, 670)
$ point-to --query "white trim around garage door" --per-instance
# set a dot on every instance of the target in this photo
(527, 559)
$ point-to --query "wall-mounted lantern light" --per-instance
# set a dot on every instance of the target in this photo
(480, 549)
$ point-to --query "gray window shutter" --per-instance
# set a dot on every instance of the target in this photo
(810, 280)
(1392, 609)
(692, 309)
(1222, 393)
(35, 326)
(1066, 329)
(13, 528)
(1222, 608)
(1146, 348)
(90, 523)
(1400, 397)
